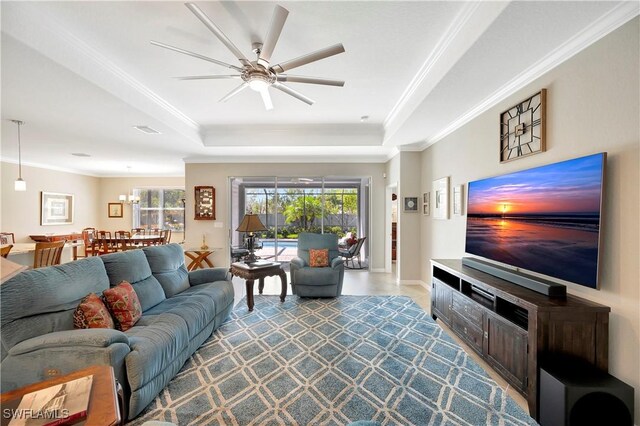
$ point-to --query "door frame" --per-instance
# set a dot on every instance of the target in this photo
(388, 208)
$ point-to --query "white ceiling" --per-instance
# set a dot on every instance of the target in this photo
(82, 74)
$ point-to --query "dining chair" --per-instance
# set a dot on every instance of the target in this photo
(47, 254)
(103, 243)
(88, 235)
(7, 238)
(138, 231)
(166, 236)
(4, 251)
(123, 241)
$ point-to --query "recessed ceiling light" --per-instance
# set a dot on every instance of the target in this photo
(364, 118)
(148, 130)
(80, 154)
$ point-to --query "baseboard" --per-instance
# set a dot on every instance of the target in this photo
(413, 282)
(377, 270)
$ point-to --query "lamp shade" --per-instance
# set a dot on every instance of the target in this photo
(20, 185)
(251, 223)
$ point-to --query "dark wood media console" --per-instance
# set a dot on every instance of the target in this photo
(513, 328)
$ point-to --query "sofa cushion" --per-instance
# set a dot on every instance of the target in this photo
(318, 258)
(132, 266)
(154, 348)
(41, 301)
(167, 265)
(197, 305)
(124, 305)
(92, 313)
(316, 276)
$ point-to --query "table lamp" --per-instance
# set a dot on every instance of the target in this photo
(250, 223)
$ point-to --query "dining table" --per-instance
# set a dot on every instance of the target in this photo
(136, 240)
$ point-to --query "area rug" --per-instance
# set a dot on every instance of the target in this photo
(332, 362)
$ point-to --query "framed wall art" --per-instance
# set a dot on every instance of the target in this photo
(115, 209)
(426, 203)
(56, 208)
(457, 199)
(410, 204)
(441, 198)
(205, 207)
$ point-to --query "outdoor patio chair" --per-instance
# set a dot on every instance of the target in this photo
(351, 253)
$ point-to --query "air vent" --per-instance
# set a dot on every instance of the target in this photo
(80, 154)
(146, 129)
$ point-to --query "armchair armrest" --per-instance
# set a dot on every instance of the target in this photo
(208, 275)
(297, 262)
(337, 262)
(92, 337)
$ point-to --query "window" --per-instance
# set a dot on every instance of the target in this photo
(161, 208)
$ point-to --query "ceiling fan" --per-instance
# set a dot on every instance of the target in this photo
(259, 75)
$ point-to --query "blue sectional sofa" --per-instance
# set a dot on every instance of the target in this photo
(180, 311)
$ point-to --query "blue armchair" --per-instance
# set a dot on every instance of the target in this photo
(317, 282)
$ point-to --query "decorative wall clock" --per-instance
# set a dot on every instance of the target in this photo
(205, 208)
(522, 128)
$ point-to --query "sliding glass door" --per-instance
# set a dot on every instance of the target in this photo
(288, 206)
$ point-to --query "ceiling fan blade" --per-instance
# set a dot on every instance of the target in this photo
(195, 55)
(310, 80)
(207, 77)
(294, 93)
(277, 23)
(218, 33)
(234, 92)
(266, 98)
(311, 57)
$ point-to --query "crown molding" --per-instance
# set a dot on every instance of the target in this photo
(472, 20)
(606, 24)
(317, 159)
(29, 25)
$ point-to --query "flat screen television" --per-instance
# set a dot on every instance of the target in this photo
(545, 219)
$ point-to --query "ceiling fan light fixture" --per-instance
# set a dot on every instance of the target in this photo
(258, 84)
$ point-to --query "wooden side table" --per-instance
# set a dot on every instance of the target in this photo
(198, 258)
(103, 402)
(252, 272)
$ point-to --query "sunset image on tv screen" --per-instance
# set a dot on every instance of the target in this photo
(545, 219)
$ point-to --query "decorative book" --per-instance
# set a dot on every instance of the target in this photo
(62, 404)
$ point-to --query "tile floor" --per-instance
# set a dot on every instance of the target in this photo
(369, 283)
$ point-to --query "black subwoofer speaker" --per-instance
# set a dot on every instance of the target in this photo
(578, 394)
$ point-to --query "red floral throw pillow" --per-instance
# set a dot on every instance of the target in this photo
(91, 313)
(123, 304)
(318, 258)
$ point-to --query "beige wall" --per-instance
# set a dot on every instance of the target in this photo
(21, 210)
(592, 107)
(111, 188)
(404, 170)
(218, 175)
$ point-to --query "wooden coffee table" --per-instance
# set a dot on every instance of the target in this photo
(103, 402)
(250, 273)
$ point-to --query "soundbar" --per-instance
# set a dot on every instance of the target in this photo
(539, 285)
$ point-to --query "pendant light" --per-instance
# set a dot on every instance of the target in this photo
(19, 184)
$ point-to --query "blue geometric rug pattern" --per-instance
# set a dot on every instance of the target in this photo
(332, 362)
